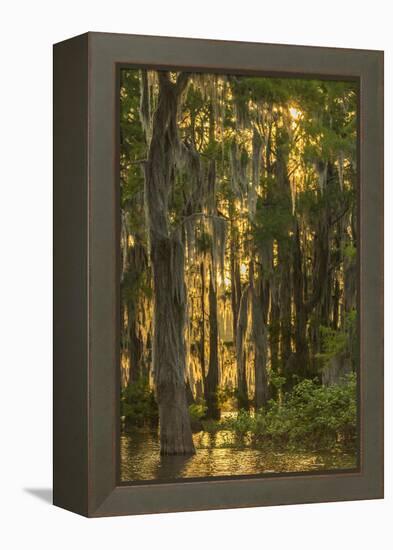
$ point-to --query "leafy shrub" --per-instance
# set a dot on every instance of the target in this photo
(211, 426)
(242, 423)
(315, 415)
(336, 342)
(197, 411)
(226, 398)
(310, 415)
(138, 404)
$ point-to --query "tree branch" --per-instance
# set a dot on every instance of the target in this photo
(181, 82)
(138, 161)
(163, 78)
(339, 216)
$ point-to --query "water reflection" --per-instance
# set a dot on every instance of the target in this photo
(219, 454)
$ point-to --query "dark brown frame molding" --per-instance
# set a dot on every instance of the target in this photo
(86, 400)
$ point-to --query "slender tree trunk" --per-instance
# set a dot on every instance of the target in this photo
(134, 264)
(301, 345)
(241, 353)
(238, 326)
(260, 343)
(349, 293)
(235, 287)
(212, 375)
(134, 347)
(274, 334)
(284, 254)
(336, 304)
(259, 335)
(203, 316)
(284, 260)
(167, 258)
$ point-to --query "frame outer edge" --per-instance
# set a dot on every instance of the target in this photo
(371, 270)
(105, 498)
(70, 314)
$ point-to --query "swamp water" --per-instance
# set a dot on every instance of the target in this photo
(219, 454)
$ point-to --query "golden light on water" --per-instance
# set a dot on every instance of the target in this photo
(219, 454)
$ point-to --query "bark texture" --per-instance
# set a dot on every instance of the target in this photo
(167, 258)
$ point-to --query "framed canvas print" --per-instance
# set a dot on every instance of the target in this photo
(218, 287)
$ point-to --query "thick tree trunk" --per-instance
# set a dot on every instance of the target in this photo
(212, 375)
(169, 352)
(189, 394)
(167, 258)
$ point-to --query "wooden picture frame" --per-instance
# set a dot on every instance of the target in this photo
(86, 264)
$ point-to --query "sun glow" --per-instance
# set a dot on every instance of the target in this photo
(295, 113)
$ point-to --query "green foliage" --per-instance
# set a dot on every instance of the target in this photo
(336, 342)
(310, 415)
(349, 251)
(270, 90)
(211, 426)
(225, 395)
(273, 219)
(276, 380)
(134, 284)
(315, 415)
(244, 423)
(197, 411)
(138, 405)
(133, 185)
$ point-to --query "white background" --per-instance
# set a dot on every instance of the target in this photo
(28, 29)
